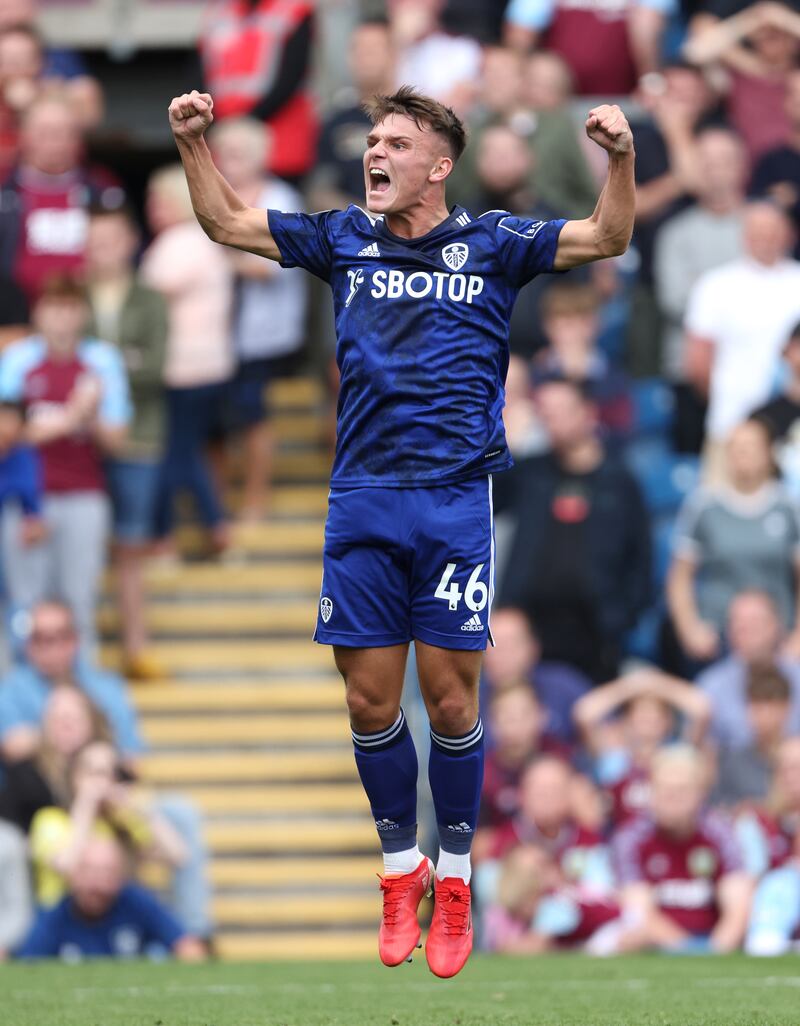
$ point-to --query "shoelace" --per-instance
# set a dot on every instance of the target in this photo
(456, 913)
(394, 890)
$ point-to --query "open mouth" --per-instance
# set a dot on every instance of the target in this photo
(378, 180)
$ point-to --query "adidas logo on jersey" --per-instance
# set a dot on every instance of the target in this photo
(473, 624)
(371, 250)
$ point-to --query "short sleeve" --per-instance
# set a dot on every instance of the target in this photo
(304, 240)
(665, 7)
(687, 542)
(722, 833)
(527, 248)
(530, 14)
(626, 853)
(115, 402)
(15, 362)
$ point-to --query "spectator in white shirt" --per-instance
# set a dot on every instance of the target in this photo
(737, 321)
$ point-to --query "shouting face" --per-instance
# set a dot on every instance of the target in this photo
(402, 164)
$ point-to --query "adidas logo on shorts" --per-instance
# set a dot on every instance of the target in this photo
(473, 624)
(370, 250)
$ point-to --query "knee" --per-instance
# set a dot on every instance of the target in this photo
(453, 710)
(369, 711)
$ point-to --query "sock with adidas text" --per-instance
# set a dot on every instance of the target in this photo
(387, 765)
(455, 770)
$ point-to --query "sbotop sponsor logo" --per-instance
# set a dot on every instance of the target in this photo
(459, 288)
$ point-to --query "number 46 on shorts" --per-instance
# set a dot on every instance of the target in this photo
(475, 594)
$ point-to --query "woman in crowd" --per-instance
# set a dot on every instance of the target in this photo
(735, 537)
(194, 276)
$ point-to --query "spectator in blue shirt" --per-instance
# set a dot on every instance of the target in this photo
(52, 654)
(106, 916)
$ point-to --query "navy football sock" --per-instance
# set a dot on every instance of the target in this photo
(455, 770)
(387, 765)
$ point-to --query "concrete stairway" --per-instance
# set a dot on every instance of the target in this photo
(251, 721)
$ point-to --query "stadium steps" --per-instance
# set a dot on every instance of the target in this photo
(249, 721)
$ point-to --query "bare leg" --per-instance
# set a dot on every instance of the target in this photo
(130, 587)
(373, 679)
(448, 680)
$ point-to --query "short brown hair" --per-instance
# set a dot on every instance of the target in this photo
(767, 684)
(64, 287)
(565, 299)
(424, 112)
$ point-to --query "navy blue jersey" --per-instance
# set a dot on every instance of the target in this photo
(422, 336)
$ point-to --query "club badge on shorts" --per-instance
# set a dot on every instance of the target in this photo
(325, 608)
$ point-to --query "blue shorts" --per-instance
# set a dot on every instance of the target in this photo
(408, 563)
(133, 486)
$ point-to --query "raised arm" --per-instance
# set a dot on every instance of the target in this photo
(223, 216)
(608, 230)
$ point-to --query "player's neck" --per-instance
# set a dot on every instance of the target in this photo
(414, 223)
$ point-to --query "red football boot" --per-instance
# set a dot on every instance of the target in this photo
(450, 937)
(400, 933)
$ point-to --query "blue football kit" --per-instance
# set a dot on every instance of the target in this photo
(422, 348)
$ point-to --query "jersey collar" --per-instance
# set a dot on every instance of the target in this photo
(440, 229)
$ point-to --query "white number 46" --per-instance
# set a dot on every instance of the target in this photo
(475, 594)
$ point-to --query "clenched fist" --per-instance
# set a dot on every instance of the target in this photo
(609, 128)
(190, 115)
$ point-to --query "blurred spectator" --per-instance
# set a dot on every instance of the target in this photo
(104, 915)
(338, 176)
(741, 536)
(20, 474)
(777, 174)
(134, 318)
(781, 416)
(535, 911)
(52, 659)
(755, 636)
(256, 59)
(75, 393)
(515, 659)
(624, 724)
(73, 730)
(55, 68)
(100, 803)
(570, 314)
(194, 275)
(580, 559)
(547, 818)
(44, 203)
(608, 49)
(746, 773)
(16, 907)
(510, 91)
(69, 722)
(678, 101)
(680, 869)
(437, 63)
(518, 728)
(722, 360)
(776, 905)
(13, 312)
(705, 236)
(269, 313)
(759, 48)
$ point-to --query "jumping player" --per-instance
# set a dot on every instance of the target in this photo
(422, 298)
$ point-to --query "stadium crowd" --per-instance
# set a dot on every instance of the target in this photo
(642, 702)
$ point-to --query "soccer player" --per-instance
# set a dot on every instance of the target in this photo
(422, 300)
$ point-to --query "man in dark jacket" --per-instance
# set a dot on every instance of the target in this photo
(580, 560)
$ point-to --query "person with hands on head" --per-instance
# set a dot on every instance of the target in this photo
(420, 433)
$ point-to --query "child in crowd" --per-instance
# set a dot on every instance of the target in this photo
(20, 473)
(626, 722)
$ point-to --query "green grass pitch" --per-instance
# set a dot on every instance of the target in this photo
(553, 991)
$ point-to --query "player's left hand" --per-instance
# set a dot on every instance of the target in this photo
(609, 128)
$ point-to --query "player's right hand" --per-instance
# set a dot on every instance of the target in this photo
(190, 115)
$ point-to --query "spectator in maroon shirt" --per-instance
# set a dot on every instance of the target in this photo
(44, 204)
(624, 724)
(517, 723)
(549, 819)
(680, 868)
